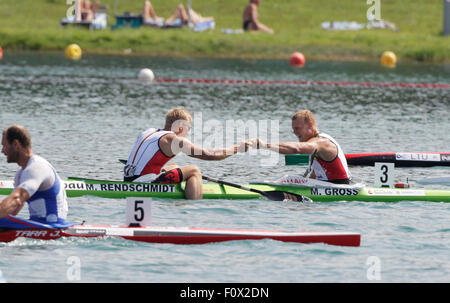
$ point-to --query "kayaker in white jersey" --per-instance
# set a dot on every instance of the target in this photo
(155, 147)
(35, 182)
(328, 161)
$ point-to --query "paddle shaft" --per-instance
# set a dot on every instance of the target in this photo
(234, 185)
(271, 195)
(221, 182)
(275, 195)
(311, 159)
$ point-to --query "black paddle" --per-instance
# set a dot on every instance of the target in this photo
(275, 195)
(308, 172)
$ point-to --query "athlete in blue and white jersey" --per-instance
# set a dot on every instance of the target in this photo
(35, 182)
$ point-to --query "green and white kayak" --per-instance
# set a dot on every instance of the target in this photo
(77, 187)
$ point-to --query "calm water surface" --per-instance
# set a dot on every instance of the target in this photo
(85, 115)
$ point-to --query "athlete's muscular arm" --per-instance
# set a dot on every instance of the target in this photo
(178, 144)
(324, 147)
(286, 148)
(13, 203)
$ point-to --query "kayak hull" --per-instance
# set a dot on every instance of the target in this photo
(186, 235)
(77, 187)
(402, 159)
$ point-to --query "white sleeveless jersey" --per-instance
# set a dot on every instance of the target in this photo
(48, 201)
(337, 169)
(146, 157)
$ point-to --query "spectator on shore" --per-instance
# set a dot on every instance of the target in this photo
(149, 13)
(95, 7)
(184, 15)
(84, 10)
(251, 20)
(180, 15)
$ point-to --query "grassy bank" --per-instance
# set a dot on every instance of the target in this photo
(34, 25)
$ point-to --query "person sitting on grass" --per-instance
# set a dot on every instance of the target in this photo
(181, 16)
(250, 18)
(84, 11)
(186, 16)
(149, 14)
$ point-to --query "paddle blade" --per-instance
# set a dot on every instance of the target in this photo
(296, 159)
(277, 195)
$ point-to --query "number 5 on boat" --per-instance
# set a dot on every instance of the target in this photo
(139, 211)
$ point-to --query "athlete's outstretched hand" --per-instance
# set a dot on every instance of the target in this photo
(243, 146)
(257, 143)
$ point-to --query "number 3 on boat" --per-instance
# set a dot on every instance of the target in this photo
(384, 174)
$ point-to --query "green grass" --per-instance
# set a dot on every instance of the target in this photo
(34, 25)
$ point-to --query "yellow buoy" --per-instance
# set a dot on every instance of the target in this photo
(388, 59)
(73, 51)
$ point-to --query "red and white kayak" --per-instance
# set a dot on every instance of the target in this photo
(400, 159)
(184, 235)
(404, 159)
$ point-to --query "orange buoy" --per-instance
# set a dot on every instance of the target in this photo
(1, 53)
(297, 59)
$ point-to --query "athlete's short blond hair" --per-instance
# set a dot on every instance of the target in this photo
(306, 116)
(177, 114)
